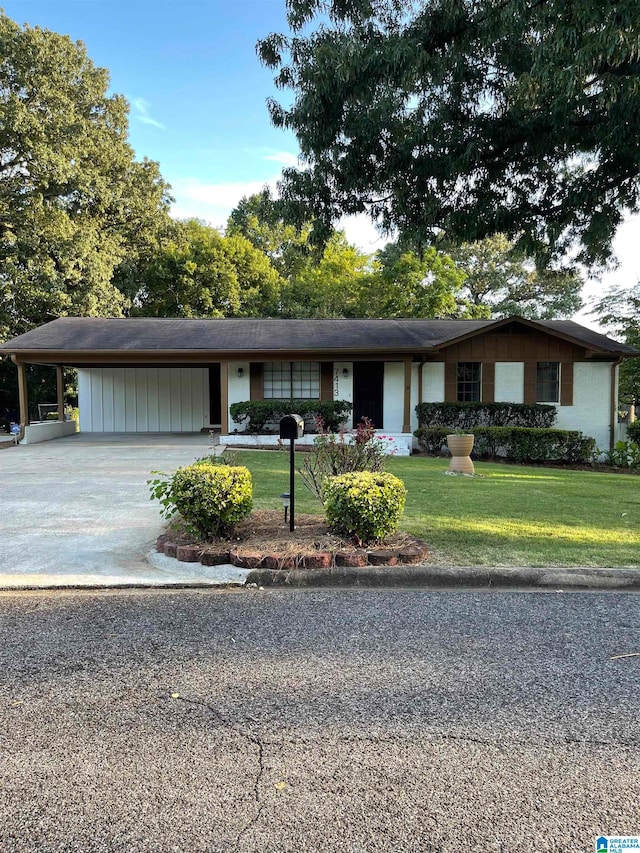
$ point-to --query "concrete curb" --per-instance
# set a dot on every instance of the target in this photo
(435, 577)
(425, 577)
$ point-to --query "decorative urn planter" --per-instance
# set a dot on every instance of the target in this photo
(460, 447)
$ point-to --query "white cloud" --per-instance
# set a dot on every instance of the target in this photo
(626, 246)
(285, 158)
(141, 112)
(361, 231)
(212, 202)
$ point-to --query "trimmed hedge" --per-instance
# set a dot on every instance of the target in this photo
(516, 444)
(364, 504)
(259, 412)
(467, 415)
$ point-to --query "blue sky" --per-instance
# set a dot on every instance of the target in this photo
(198, 95)
(197, 91)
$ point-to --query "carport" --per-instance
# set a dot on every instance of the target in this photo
(186, 385)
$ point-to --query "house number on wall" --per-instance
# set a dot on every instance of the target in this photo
(336, 385)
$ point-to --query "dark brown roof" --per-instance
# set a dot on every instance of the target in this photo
(152, 335)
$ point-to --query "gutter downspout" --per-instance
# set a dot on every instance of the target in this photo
(614, 403)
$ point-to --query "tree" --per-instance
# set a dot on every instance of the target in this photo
(316, 281)
(619, 312)
(260, 283)
(471, 117)
(338, 280)
(74, 203)
(329, 285)
(501, 279)
(405, 285)
(259, 218)
(200, 273)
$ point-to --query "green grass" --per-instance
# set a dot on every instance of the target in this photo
(510, 516)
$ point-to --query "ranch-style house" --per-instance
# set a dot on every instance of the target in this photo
(182, 375)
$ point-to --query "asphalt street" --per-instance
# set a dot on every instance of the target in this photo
(331, 720)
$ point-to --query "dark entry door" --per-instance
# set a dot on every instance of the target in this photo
(215, 411)
(368, 383)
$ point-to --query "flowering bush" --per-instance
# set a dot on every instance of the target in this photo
(342, 454)
(212, 499)
(363, 504)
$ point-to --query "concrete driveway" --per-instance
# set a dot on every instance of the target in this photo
(76, 511)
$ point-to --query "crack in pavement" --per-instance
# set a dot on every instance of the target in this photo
(251, 738)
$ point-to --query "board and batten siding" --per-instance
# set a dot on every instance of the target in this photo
(143, 399)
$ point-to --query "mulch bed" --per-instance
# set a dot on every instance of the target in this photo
(264, 541)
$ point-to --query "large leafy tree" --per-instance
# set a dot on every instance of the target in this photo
(259, 218)
(316, 281)
(328, 284)
(618, 310)
(199, 273)
(338, 280)
(471, 117)
(407, 285)
(501, 279)
(75, 205)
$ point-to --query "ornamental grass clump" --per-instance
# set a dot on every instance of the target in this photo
(211, 499)
(364, 505)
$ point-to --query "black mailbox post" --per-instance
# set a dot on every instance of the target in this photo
(291, 428)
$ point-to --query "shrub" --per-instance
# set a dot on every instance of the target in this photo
(211, 499)
(333, 413)
(333, 455)
(625, 454)
(363, 504)
(517, 444)
(633, 432)
(467, 415)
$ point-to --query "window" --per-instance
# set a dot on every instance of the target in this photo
(286, 380)
(469, 381)
(548, 382)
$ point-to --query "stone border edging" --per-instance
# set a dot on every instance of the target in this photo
(414, 553)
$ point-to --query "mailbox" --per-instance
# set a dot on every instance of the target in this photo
(291, 427)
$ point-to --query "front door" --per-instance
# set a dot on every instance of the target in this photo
(368, 384)
(215, 410)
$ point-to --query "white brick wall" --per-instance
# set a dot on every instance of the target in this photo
(433, 382)
(393, 396)
(509, 379)
(591, 411)
(239, 388)
(343, 385)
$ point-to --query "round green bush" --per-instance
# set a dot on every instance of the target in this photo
(364, 504)
(212, 499)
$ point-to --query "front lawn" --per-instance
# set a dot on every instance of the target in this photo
(511, 516)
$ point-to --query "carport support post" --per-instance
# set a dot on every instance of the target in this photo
(22, 394)
(60, 389)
